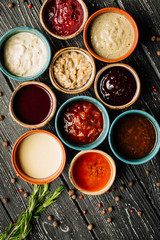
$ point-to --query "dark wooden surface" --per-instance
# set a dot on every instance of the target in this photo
(143, 196)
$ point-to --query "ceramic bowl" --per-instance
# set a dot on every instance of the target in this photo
(155, 148)
(86, 33)
(137, 80)
(99, 140)
(76, 90)
(23, 175)
(11, 33)
(85, 10)
(50, 114)
(110, 182)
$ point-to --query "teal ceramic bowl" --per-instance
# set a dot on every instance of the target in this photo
(14, 31)
(153, 152)
(99, 140)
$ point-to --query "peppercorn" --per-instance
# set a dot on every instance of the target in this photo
(30, 5)
(108, 191)
(13, 180)
(131, 183)
(153, 38)
(158, 53)
(158, 39)
(158, 184)
(55, 224)
(5, 200)
(1, 117)
(84, 212)
(99, 205)
(117, 198)
(147, 172)
(103, 212)
(121, 187)
(49, 218)
(20, 190)
(110, 209)
(81, 197)
(71, 192)
(10, 5)
(132, 210)
(90, 226)
(113, 189)
(109, 220)
(74, 196)
(139, 213)
(6, 144)
(25, 195)
(1, 94)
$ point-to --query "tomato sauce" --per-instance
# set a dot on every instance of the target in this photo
(91, 171)
(82, 122)
(63, 17)
(134, 136)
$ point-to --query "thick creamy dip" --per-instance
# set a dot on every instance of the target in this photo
(24, 54)
(112, 35)
(39, 155)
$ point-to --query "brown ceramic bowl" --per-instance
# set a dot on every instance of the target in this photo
(51, 111)
(136, 77)
(76, 90)
(85, 10)
(86, 33)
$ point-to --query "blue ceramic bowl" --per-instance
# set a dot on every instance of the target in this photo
(14, 31)
(103, 134)
(154, 150)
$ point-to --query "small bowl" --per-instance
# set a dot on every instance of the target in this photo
(103, 134)
(33, 180)
(11, 33)
(153, 152)
(110, 10)
(111, 180)
(85, 10)
(76, 90)
(50, 113)
(136, 77)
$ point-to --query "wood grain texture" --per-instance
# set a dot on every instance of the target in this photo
(143, 196)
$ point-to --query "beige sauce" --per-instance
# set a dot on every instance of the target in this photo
(112, 35)
(39, 155)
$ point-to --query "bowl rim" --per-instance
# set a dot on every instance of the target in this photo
(156, 147)
(136, 77)
(85, 10)
(115, 10)
(32, 180)
(113, 172)
(51, 113)
(32, 31)
(106, 119)
(72, 91)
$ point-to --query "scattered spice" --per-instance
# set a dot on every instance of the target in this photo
(25, 195)
(155, 90)
(144, 109)
(113, 189)
(108, 191)
(1, 117)
(117, 198)
(81, 197)
(158, 184)
(147, 172)
(55, 224)
(103, 212)
(109, 220)
(132, 210)
(20, 190)
(130, 183)
(30, 5)
(99, 205)
(90, 226)
(158, 53)
(6, 144)
(71, 192)
(1, 94)
(14, 223)
(5, 200)
(13, 180)
(10, 5)
(84, 212)
(74, 196)
(110, 209)
(22, 1)
(121, 187)
(139, 213)
(49, 218)
(153, 38)
(158, 39)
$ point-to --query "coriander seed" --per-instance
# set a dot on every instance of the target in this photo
(1, 117)
(5, 144)
(158, 184)
(13, 180)
(109, 220)
(153, 38)
(117, 198)
(10, 5)
(74, 196)
(55, 224)
(49, 218)
(90, 227)
(130, 183)
(25, 195)
(71, 192)
(110, 209)
(139, 213)
(121, 187)
(1, 94)
(5, 200)
(158, 53)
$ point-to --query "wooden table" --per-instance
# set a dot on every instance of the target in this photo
(143, 196)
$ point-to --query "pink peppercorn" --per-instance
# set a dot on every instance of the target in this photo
(99, 205)
(113, 189)
(81, 197)
(30, 5)
(132, 211)
(20, 190)
(103, 212)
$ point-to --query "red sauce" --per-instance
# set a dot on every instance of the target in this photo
(82, 122)
(91, 171)
(63, 17)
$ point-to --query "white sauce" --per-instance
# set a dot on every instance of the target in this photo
(112, 35)
(39, 155)
(24, 54)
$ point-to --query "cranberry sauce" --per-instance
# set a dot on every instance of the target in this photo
(32, 104)
(63, 17)
(117, 86)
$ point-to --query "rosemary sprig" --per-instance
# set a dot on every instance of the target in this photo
(37, 204)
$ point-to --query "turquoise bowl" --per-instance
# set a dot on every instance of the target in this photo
(14, 31)
(103, 134)
(154, 150)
